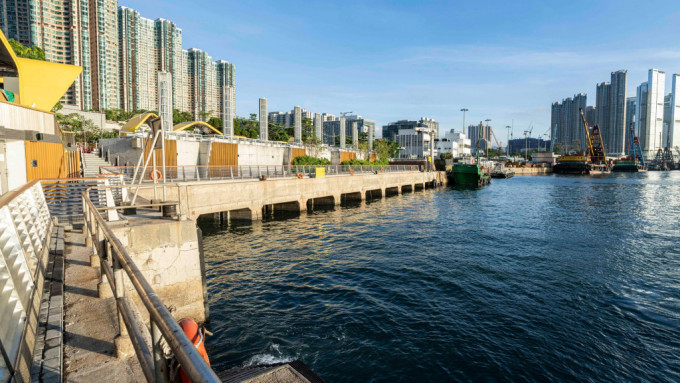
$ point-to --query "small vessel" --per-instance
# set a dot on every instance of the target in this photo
(499, 171)
(468, 174)
(628, 164)
(573, 164)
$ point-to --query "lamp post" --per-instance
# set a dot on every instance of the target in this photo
(507, 149)
(488, 141)
(526, 145)
(464, 110)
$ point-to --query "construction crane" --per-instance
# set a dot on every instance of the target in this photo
(593, 141)
(500, 148)
(634, 150)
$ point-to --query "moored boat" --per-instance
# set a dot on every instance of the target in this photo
(627, 164)
(468, 174)
(573, 164)
(500, 171)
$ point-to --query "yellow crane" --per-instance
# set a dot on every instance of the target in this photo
(500, 148)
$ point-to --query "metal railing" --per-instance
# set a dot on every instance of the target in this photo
(116, 263)
(203, 173)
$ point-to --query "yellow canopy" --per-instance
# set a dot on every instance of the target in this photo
(41, 83)
(202, 125)
(135, 123)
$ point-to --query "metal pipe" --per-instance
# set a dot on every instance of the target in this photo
(143, 354)
(141, 178)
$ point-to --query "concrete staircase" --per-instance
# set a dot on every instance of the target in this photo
(91, 164)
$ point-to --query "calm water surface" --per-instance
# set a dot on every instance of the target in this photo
(528, 279)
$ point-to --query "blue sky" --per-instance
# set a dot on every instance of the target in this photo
(503, 60)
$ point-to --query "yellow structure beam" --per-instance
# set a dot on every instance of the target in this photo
(203, 126)
(136, 122)
(41, 84)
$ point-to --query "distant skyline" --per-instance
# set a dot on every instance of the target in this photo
(390, 61)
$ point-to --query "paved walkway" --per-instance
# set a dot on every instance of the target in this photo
(90, 323)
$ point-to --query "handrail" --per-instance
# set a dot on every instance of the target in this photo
(110, 249)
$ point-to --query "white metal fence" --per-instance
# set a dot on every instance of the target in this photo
(24, 224)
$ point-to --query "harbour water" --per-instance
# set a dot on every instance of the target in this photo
(560, 278)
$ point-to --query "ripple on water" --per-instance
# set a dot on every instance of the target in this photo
(529, 279)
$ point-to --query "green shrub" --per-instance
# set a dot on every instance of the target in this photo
(309, 160)
(364, 162)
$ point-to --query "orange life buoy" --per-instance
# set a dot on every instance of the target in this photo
(411, 167)
(196, 337)
(156, 175)
(300, 175)
(351, 172)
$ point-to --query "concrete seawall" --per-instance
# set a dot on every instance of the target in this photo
(249, 199)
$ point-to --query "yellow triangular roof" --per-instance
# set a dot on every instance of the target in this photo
(205, 127)
(136, 122)
(41, 83)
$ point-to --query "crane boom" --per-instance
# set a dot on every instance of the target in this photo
(589, 144)
(500, 148)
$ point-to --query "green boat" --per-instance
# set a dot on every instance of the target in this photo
(468, 174)
(627, 164)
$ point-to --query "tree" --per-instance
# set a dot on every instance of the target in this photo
(385, 149)
(204, 115)
(86, 130)
(308, 134)
(216, 123)
(34, 52)
(277, 132)
(178, 117)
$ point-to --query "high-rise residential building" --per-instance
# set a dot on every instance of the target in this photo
(331, 128)
(591, 115)
(138, 61)
(672, 134)
(169, 58)
(555, 115)
(103, 22)
(15, 20)
(121, 54)
(568, 125)
(615, 136)
(288, 119)
(328, 117)
(63, 29)
(649, 112)
(602, 104)
(480, 137)
(630, 119)
(577, 131)
(277, 118)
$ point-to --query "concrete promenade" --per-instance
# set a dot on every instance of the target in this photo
(251, 199)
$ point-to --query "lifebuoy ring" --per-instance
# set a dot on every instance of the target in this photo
(351, 172)
(300, 175)
(195, 335)
(156, 175)
(411, 168)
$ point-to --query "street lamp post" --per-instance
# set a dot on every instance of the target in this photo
(488, 141)
(464, 110)
(526, 145)
(507, 149)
